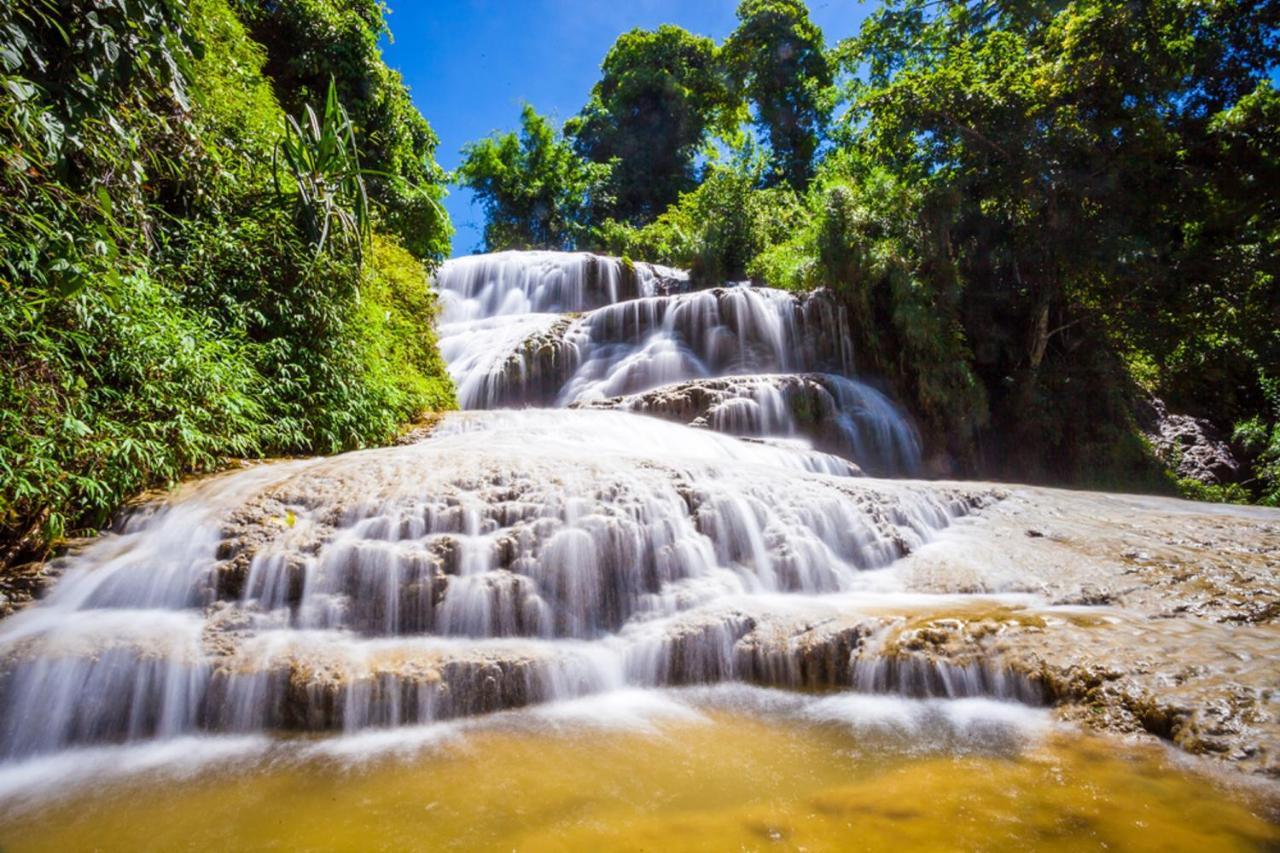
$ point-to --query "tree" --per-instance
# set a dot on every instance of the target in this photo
(309, 42)
(776, 59)
(536, 191)
(661, 91)
(717, 229)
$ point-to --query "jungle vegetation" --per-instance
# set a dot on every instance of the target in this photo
(216, 222)
(1040, 213)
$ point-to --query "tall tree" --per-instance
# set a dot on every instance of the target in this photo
(536, 191)
(660, 92)
(777, 60)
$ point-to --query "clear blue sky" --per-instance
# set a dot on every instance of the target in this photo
(470, 63)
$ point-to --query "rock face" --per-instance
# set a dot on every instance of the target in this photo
(1192, 447)
(1148, 615)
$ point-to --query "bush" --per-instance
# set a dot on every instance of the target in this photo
(863, 241)
(161, 309)
(111, 391)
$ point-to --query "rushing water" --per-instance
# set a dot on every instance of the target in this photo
(659, 488)
(557, 329)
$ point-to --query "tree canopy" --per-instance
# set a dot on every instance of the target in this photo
(1083, 161)
(778, 62)
(536, 192)
(310, 42)
(659, 94)
(190, 269)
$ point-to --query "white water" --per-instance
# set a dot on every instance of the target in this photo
(513, 558)
(546, 328)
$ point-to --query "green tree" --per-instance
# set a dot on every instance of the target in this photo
(660, 93)
(716, 230)
(536, 191)
(777, 59)
(309, 42)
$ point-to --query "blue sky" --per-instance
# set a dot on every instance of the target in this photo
(470, 63)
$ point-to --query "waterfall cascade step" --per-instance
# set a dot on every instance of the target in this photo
(685, 508)
(561, 329)
(511, 557)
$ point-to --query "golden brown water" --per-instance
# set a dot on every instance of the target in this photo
(728, 781)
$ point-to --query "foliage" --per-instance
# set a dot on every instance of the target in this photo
(310, 42)
(777, 59)
(325, 168)
(660, 93)
(536, 191)
(867, 240)
(1090, 160)
(161, 310)
(1259, 437)
(112, 390)
(398, 314)
(716, 230)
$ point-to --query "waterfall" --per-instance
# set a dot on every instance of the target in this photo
(562, 329)
(681, 510)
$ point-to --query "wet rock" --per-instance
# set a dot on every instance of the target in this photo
(835, 414)
(1089, 596)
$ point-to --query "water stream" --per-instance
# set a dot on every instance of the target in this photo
(651, 487)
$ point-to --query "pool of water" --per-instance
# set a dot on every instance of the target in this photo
(714, 769)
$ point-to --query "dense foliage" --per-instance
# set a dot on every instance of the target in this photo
(1079, 156)
(536, 192)
(659, 94)
(1039, 214)
(777, 60)
(310, 42)
(170, 297)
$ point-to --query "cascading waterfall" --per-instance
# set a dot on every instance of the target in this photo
(538, 329)
(514, 556)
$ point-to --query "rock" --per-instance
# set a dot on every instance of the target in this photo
(1192, 447)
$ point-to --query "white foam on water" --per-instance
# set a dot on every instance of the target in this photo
(933, 723)
(628, 710)
(38, 780)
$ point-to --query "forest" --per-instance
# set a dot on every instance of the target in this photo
(217, 218)
(216, 222)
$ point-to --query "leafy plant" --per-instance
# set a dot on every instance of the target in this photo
(308, 43)
(325, 168)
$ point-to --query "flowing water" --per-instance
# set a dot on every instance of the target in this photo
(655, 487)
